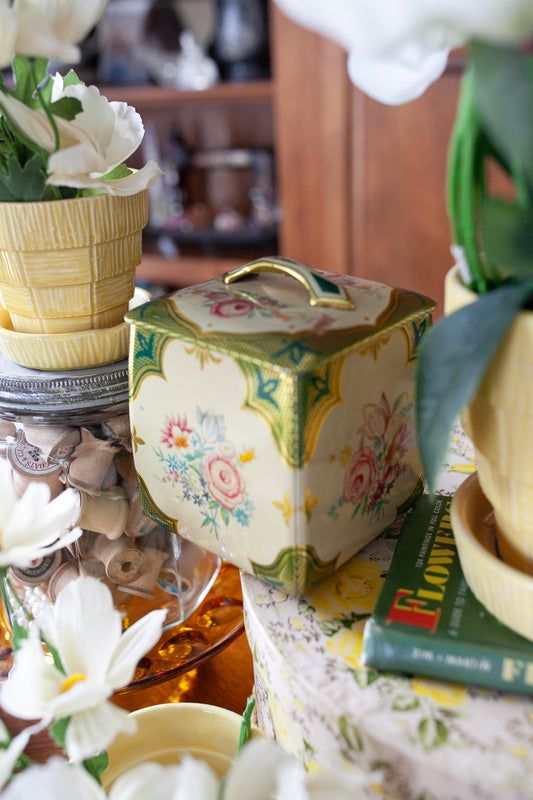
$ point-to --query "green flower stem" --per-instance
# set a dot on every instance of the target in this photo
(246, 723)
(5, 580)
(21, 605)
(465, 181)
(45, 107)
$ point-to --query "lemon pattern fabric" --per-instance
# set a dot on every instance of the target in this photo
(430, 739)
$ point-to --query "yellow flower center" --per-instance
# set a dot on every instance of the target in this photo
(72, 679)
(181, 441)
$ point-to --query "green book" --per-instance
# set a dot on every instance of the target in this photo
(427, 621)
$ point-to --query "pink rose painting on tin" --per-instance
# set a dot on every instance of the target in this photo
(373, 468)
(205, 469)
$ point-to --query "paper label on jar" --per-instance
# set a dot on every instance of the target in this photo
(39, 570)
(28, 458)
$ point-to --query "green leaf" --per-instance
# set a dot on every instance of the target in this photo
(28, 74)
(504, 100)
(58, 730)
(19, 633)
(71, 79)
(22, 183)
(507, 238)
(245, 731)
(453, 358)
(66, 107)
(120, 171)
(97, 765)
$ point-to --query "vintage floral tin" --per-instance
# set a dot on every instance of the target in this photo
(272, 414)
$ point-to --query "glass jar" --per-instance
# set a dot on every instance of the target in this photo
(72, 429)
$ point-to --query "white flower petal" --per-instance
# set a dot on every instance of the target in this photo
(137, 640)
(51, 28)
(392, 81)
(186, 781)
(8, 32)
(128, 133)
(91, 732)
(253, 774)
(32, 682)
(32, 526)
(87, 628)
(9, 756)
(56, 780)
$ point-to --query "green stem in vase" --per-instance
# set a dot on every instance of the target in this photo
(465, 181)
(19, 631)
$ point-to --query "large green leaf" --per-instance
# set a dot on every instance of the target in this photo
(507, 238)
(28, 73)
(453, 358)
(504, 100)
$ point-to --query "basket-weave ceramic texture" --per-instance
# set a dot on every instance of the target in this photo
(70, 265)
(500, 423)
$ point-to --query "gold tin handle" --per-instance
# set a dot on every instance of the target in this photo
(322, 290)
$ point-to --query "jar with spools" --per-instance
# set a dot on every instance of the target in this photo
(71, 429)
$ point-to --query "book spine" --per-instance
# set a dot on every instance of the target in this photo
(392, 650)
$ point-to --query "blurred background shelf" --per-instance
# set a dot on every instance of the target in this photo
(358, 185)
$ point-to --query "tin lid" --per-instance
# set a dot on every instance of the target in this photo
(280, 311)
(67, 396)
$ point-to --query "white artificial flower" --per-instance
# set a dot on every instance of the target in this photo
(102, 136)
(32, 526)
(55, 780)
(50, 28)
(85, 629)
(397, 48)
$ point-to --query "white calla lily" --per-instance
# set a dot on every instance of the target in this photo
(56, 780)
(98, 658)
(33, 525)
(397, 49)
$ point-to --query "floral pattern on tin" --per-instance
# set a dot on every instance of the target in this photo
(205, 469)
(372, 470)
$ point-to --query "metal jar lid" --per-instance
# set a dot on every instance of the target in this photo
(75, 396)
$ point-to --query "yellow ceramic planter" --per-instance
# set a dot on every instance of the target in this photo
(69, 265)
(167, 732)
(500, 423)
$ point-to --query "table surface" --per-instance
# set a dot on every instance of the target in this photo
(224, 680)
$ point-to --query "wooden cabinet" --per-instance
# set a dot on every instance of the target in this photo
(360, 185)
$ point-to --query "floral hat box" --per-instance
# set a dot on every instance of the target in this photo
(272, 414)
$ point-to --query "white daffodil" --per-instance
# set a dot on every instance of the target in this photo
(261, 771)
(397, 48)
(33, 525)
(192, 779)
(56, 780)
(97, 658)
(47, 28)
